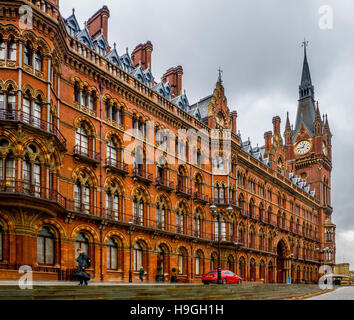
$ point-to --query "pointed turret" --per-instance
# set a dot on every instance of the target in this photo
(326, 127)
(306, 109)
(318, 124)
(288, 132)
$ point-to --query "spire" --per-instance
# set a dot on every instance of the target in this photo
(306, 88)
(317, 114)
(219, 78)
(288, 132)
(306, 108)
(287, 125)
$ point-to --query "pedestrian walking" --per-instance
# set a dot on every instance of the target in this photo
(84, 262)
(141, 274)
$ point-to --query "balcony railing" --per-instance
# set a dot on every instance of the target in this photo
(10, 185)
(119, 166)
(142, 175)
(20, 116)
(222, 201)
(201, 197)
(184, 190)
(164, 183)
(86, 154)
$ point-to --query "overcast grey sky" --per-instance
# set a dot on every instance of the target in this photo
(258, 45)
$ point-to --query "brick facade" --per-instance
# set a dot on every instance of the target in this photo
(54, 177)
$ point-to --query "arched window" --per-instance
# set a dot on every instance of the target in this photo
(242, 267)
(197, 224)
(112, 204)
(112, 153)
(76, 92)
(230, 263)
(182, 261)
(138, 211)
(160, 215)
(11, 50)
(81, 242)
(28, 56)
(2, 48)
(31, 174)
(38, 60)
(180, 218)
(262, 270)
(11, 102)
(82, 194)
(112, 254)
(82, 141)
(241, 235)
(45, 247)
(213, 262)
(7, 169)
(83, 97)
(197, 265)
(138, 256)
(92, 101)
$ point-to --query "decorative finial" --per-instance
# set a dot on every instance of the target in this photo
(115, 46)
(85, 24)
(305, 45)
(73, 11)
(220, 72)
(184, 91)
(126, 49)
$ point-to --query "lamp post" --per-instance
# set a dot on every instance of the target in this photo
(130, 252)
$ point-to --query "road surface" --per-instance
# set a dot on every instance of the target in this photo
(342, 293)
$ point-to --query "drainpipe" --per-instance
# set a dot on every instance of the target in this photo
(101, 88)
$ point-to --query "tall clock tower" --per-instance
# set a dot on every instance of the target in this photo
(309, 150)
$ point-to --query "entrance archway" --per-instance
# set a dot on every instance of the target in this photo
(282, 254)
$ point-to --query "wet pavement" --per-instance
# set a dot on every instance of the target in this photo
(342, 293)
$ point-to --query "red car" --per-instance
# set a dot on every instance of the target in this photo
(227, 277)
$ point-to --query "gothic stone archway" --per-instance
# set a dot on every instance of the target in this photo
(282, 262)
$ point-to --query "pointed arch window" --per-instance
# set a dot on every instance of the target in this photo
(28, 54)
(76, 92)
(160, 216)
(45, 247)
(82, 197)
(180, 220)
(2, 48)
(7, 171)
(92, 101)
(138, 211)
(112, 153)
(197, 226)
(38, 60)
(82, 141)
(112, 204)
(112, 254)
(11, 51)
(138, 256)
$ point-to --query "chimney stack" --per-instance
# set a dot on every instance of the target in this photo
(233, 116)
(142, 55)
(174, 77)
(268, 140)
(276, 125)
(98, 23)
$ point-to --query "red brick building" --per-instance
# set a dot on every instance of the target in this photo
(93, 155)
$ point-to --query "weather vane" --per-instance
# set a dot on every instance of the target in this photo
(220, 72)
(304, 44)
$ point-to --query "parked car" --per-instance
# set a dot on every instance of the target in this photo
(227, 277)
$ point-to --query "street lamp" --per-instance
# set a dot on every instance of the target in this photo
(130, 252)
(218, 216)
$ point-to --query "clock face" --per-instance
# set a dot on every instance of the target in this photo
(303, 147)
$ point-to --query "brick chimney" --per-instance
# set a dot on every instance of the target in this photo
(174, 77)
(233, 116)
(268, 140)
(276, 125)
(98, 23)
(142, 55)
